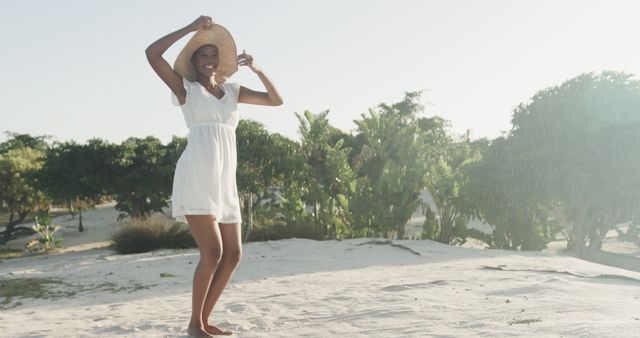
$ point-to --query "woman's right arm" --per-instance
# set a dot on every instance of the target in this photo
(161, 66)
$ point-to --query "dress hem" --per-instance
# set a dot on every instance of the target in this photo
(183, 219)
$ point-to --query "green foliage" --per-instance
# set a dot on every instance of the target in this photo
(271, 176)
(631, 234)
(392, 167)
(430, 227)
(514, 212)
(255, 152)
(174, 149)
(21, 141)
(447, 181)
(45, 229)
(155, 232)
(327, 175)
(17, 191)
(262, 162)
(144, 169)
(570, 161)
(277, 231)
(77, 174)
(578, 149)
(290, 177)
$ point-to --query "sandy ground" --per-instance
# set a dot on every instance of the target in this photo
(99, 224)
(305, 288)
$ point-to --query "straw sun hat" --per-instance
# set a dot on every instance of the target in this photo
(214, 35)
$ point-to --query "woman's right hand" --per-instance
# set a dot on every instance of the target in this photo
(202, 22)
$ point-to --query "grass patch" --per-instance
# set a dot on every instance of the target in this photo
(115, 288)
(155, 232)
(55, 288)
(10, 253)
(32, 287)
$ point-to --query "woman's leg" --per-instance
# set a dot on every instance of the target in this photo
(207, 235)
(231, 253)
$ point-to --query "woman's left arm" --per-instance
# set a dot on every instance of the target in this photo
(246, 95)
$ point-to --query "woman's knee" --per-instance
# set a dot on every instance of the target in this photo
(211, 256)
(232, 255)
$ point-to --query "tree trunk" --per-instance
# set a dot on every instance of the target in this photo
(249, 217)
(80, 227)
(399, 231)
(315, 211)
(577, 238)
(71, 210)
(10, 227)
(135, 213)
(599, 233)
(446, 225)
(22, 215)
(596, 241)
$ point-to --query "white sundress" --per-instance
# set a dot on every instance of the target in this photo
(204, 181)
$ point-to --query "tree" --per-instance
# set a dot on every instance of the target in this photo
(144, 172)
(17, 166)
(80, 175)
(255, 154)
(576, 146)
(514, 211)
(330, 174)
(447, 183)
(391, 166)
(174, 149)
(291, 176)
(21, 141)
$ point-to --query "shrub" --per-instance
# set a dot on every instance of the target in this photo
(278, 231)
(631, 234)
(154, 232)
(45, 229)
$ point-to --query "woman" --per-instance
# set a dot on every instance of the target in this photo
(204, 185)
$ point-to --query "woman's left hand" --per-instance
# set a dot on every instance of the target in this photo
(245, 59)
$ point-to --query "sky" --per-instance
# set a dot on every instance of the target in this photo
(76, 70)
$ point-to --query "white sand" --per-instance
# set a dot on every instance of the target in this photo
(304, 288)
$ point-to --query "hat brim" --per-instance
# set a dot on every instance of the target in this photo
(227, 53)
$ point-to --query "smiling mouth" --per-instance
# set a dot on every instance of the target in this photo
(209, 67)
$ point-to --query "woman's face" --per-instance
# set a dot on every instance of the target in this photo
(205, 59)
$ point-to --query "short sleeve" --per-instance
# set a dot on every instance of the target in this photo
(235, 89)
(187, 87)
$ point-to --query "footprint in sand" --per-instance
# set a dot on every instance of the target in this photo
(236, 308)
(404, 287)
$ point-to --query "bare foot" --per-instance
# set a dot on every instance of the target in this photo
(197, 332)
(216, 331)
